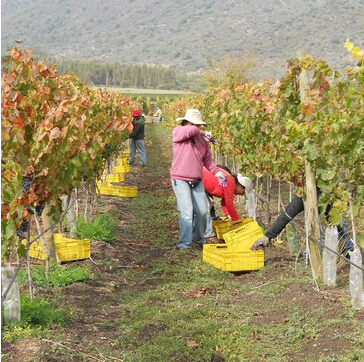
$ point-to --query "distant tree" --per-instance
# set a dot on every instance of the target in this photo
(228, 70)
(115, 74)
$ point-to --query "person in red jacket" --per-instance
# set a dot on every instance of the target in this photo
(236, 185)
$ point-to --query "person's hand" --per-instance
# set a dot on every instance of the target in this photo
(208, 135)
(222, 179)
(260, 243)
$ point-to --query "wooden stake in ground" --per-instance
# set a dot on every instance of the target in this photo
(259, 204)
(269, 217)
(311, 211)
(312, 222)
(70, 214)
(48, 236)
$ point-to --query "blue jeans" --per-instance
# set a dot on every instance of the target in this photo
(137, 145)
(209, 232)
(193, 209)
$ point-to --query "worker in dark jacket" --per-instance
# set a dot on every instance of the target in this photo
(137, 139)
(295, 207)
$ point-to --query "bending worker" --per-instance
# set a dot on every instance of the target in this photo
(235, 185)
(293, 209)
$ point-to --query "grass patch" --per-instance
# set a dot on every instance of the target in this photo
(184, 302)
(155, 222)
(58, 276)
(36, 316)
(103, 227)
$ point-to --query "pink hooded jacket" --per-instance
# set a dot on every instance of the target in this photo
(190, 153)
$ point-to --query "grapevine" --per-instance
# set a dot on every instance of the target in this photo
(54, 132)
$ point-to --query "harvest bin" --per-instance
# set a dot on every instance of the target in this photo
(66, 249)
(246, 234)
(122, 161)
(235, 255)
(121, 169)
(113, 177)
(113, 190)
(224, 225)
(232, 260)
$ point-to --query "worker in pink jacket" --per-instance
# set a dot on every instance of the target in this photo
(191, 152)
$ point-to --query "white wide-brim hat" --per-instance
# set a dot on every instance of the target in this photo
(246, 182)
(193, 116)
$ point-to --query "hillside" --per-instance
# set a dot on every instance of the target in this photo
(185, 33)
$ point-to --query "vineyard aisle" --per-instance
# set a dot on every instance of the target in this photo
(148, 302)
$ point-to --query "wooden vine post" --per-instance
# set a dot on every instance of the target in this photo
(48, 236)
(70, 214)
(269, 216)
(311, 211)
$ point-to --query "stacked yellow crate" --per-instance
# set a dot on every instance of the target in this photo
(114, 190)
(235, 255)
(224, 225)
(106, 187)
(121, 169)
(113, 177)
(245, 235)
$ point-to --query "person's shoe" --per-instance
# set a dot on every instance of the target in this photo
(197, 245)
(212, 240)
(130, 163)
(178, 248)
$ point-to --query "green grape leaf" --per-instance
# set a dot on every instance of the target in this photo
(336, 217)
(22, 251)
(360, 241)
(328, 175)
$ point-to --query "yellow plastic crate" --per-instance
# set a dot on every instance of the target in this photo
(36, 249)
(245, 242)
(66, 249)
(225, 225)
(232, 260)
(71, 249)
(121, 191)
(245, 235)
(122, 161)
(121, 169)
(220, 227)
(113, 177)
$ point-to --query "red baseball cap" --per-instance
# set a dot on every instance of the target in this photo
(136, 113)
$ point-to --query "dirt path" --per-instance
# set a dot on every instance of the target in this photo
(149, 303)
